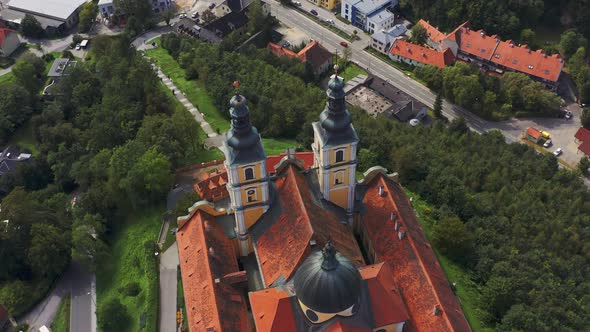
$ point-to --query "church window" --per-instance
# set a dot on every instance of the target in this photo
(339, 177)
(249, 173)
(251, 194)
(339, 156)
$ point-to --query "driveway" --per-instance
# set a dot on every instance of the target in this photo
(83, 308)
(168, 282)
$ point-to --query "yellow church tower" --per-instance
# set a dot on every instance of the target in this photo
(245, 162)
(335, 146)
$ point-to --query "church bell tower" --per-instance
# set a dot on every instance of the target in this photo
(245, 162)
(335, 147)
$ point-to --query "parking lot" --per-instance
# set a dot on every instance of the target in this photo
(294, 36)
(562, 132)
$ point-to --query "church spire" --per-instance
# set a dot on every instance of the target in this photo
(335, 117)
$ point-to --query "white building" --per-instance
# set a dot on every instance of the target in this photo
(106, 8)
(53, 15)
(361, 13)
(382, 40)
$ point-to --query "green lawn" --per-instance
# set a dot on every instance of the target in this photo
(23, 137)
(194, 90)
(351, 71)
(61, 322)
(467, 290)
(131, 260)
(7, 78)
(277, 146)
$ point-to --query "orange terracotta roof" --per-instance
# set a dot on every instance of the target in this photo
(339, 326)
(279, 50)
(582, 134)
(422, 54)
(213, 187)
(523, 59)
(478, 43)
(386, 302)
(286, 243)
(306, 157)
(453, 35)
(416, 269)
(433, 33)
(272, 311)
(534, 132)
(585, 147)
(206, 257)
(315, 54)
(4, 32)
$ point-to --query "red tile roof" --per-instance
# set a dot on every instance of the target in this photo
(478, 43)
(386, 302)
(4, 32)
(534, 132)
(339, 326)
(422, 54)
(314, 53)
(286, 243)
(272, 311)
(523, 59)
(213, 187)
(306, 157)
(207, 255)
(585, 148)
(279, 50)
(416, 269)
(433, 33)
(583, 134)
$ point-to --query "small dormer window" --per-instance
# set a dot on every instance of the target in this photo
(249, 173)
(339, 156)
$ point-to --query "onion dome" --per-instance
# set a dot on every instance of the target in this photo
(335, 116)
(327, 282)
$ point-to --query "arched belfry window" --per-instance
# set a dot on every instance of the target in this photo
(339, 177)
(339, 156)
(251, 194)
(249, 173)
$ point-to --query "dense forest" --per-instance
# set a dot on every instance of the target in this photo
(111, 139)
(523, 220)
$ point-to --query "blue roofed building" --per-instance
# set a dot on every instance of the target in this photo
(362, 13)
(382, 40)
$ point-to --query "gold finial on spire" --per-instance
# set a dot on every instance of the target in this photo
(236, 85)
(336, 67)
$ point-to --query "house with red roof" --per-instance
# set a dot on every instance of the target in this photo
(286, 235)
(313, 53)
(9, 41)
(417, 55)
(582, 137)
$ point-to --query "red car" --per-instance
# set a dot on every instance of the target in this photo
(344, 44)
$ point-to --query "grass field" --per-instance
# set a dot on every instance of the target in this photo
(61, 322)
(132, 260)
(194, 90)
(351, 71)
(467, 290)
(7, 78)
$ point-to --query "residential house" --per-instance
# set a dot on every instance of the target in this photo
(313, 53)
(54, 15)
(9, 41)
(290, 241)
(361, 13)
(382, 40)
(380, 20)
(328, 4)
(60, 67)
(582, 137)
(417, 55)
(9, 160)
(106, 8)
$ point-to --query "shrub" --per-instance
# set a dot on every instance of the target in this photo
(131, 289)
(114, 316)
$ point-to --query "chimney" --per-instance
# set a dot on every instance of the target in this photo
(312, 243)
(401, 234)
(511, 45)
(211, 252)
(482, 33)
(381, 191)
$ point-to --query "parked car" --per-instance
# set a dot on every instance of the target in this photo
(296, 3)
(314, 12)
(330, 22)
(344, 44)
(558, 152)
(414, 122)
(547, 143)
(78, 47)
(182, 15)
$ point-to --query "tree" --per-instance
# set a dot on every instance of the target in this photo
(207, 16)
(14, 295)
(30, 27)
(29, 73)
(49, 250)
(346, 55)
(256, 17)
(141, 10)
(114, 316)
(528, 37)
(15, 108)
(585, 119)
(87, 15)
(419, 34)
(452, 238)
(570, 42)
(437, 108)
(167, 15)
(584, 166)
(87, 245)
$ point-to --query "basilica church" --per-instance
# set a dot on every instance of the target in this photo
(299, 244)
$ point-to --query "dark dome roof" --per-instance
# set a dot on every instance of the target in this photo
(327, 282)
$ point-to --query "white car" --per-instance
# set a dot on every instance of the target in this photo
(297, 3)
(331, 22)
(78, 47)
(558, 152)
(414, 122)
(547, 143)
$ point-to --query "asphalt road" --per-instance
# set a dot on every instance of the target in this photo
(83, 307)
(168, 264)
